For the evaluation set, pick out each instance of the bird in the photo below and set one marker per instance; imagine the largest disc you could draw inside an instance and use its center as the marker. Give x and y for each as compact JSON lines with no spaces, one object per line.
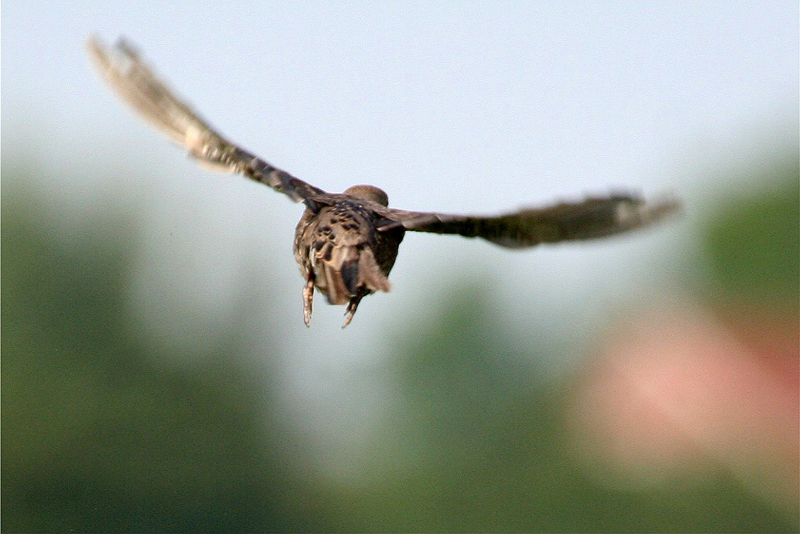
{"x":346,"y":243}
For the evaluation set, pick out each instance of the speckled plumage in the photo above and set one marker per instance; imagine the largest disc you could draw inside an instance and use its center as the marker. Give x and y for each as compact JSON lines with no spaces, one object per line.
{"x":346,"y":244}
{"x":341,"y":252}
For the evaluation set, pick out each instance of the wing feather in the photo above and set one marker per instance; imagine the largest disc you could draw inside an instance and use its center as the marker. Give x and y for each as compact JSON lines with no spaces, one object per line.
{"x":137,"y":84}
{"x":567,"y":221}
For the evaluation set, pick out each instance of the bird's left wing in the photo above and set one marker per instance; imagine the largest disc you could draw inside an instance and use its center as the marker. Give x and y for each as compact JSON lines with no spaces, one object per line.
{"x":587,"y":219}
{"x":123,"y":69}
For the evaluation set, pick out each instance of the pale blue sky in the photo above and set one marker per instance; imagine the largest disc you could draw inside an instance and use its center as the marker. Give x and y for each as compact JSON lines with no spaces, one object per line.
{"x":448,"y":106}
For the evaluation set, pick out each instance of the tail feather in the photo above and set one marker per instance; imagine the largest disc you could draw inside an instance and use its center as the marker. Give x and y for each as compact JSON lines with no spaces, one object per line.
{"x":335,"y":289}
{"x":350,"y":271}
{"x":334,"y":260}
{"x":370,"y":274}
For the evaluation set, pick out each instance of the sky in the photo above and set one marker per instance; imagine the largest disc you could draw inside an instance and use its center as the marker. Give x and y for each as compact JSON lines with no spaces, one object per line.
{"x":475,"y":107}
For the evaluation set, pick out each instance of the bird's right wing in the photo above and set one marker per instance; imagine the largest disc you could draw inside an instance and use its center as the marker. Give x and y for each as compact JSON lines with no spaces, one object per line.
{"x":136,"y":84}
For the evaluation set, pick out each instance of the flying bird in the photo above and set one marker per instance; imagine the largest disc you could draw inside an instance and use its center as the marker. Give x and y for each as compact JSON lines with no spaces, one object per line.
{"x":346,"y":243}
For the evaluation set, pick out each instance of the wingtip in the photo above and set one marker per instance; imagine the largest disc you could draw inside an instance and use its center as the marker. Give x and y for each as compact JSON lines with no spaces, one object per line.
{"x":92,"y":41}
{"x":101,"y":52}
{"x":638,"y":212}
{"x":664,"y":206}
{"x":96,"y":49}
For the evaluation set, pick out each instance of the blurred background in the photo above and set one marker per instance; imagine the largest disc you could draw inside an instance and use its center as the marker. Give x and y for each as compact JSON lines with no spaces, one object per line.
{"x":157,"y":375}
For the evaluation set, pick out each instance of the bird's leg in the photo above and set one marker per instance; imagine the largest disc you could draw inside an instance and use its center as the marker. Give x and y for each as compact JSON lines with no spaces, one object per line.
{"x":352,"y":306}
{"x":308,"y":297}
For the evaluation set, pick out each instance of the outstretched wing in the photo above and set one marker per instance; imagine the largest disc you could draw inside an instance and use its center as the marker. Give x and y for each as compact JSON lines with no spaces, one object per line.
{"x":125,"y":72}
{"x":588,"y":219}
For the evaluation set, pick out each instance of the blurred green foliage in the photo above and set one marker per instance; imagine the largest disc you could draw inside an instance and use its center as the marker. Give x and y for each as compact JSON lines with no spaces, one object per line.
{"x":754,"y":242}
{"x":98,"y":437}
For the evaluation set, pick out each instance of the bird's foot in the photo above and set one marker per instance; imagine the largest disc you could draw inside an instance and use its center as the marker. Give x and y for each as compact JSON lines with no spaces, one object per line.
{"x":352,"y":306}
{"x":308,"y":298}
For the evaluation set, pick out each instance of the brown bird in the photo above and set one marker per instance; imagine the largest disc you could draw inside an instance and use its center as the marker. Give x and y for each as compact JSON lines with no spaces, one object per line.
{"x":346,"y":244}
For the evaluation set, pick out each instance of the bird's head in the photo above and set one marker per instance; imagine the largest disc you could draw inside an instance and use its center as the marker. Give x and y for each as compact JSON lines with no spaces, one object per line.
{"x":368,"y":192}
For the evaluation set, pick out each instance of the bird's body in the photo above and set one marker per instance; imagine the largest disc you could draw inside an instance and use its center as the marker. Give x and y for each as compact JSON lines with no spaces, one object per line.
{"x":346,"y":244}
{"x":342,"y":253}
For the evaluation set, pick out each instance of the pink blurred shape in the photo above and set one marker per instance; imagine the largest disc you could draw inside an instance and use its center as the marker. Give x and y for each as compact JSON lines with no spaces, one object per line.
{"x":678,"y":392}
